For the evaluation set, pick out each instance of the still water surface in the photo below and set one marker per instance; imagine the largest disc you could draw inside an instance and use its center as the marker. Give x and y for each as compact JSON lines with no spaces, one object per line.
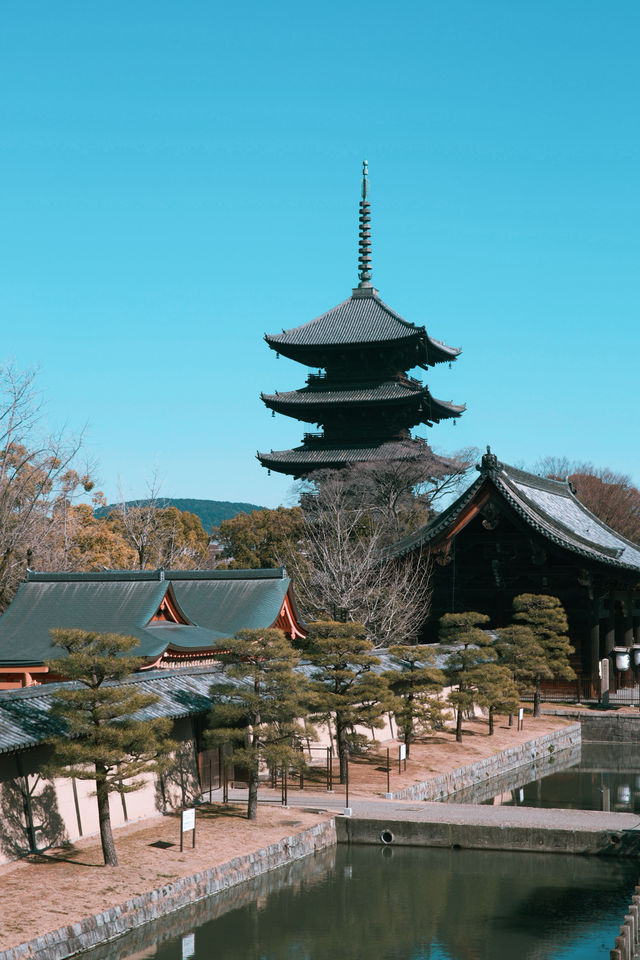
{"x":603,"y":776}
{"x":392,"y":903}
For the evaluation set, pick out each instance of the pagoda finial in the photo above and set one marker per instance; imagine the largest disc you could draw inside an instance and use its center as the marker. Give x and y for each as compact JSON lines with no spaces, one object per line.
{"x":364,"y":243}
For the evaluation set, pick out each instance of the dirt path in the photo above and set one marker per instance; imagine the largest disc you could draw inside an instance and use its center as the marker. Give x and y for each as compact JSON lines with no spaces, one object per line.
{"x":41,"y":893}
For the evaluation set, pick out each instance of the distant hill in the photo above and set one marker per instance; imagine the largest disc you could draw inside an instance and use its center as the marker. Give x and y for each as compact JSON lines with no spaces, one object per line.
{"x":211,"y":512}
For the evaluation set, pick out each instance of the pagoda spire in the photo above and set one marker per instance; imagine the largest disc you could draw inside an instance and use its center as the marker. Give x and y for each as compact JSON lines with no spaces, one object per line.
{"x":364,"y":243}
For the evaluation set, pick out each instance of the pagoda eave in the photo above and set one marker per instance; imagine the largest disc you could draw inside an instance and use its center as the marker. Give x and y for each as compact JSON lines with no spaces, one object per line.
{"x":303,"y":460}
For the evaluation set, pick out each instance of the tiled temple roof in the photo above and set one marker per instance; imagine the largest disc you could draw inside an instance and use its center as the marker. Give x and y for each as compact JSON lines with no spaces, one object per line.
{"x":322,"y":454}
{"x":359,"y":321}
{"x":26,"y":721}
{"x":547,"y":506}
{"x":215,"y":604}
{"x":388,"y":392}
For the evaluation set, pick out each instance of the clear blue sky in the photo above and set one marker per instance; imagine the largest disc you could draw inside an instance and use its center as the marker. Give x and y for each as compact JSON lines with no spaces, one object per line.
{"x":178,"y":179}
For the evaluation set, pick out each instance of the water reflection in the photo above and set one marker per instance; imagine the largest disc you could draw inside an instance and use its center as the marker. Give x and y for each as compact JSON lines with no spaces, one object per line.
{"x":606,"y":777}
{"x":407,"y":904}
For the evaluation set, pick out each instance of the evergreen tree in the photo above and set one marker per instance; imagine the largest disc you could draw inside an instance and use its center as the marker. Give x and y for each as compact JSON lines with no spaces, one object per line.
{"x":548,"y":622}
{"x":104,"y":739}
{"x":261,"y":705}
{"x":495,"y":689}
{"x":414,"y":686}
{"x":472,"y":647}
{"x":345,"y":686}
{"x":519,"y":651}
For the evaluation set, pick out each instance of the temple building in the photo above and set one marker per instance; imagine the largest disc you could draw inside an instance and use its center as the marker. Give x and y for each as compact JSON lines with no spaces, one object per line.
{"x":513,"y":532}
{"x":181,"y":618}
{"x":361,"y":396}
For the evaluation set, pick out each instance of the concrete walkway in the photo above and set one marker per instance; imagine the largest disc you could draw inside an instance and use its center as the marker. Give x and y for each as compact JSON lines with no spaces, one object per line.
{"x":492,"y":828}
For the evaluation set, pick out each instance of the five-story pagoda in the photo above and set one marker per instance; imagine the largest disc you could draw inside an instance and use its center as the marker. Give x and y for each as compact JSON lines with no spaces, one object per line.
{"x":365,"y":401}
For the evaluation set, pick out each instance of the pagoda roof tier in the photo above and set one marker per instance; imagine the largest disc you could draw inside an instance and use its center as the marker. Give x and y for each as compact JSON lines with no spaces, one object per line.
{"x":363,"y":320}
{"x":320,"y":454}
{"x":307,"y":404}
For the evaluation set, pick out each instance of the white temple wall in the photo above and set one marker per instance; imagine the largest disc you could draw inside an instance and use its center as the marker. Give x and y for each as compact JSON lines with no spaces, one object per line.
{"x":34,"y":808}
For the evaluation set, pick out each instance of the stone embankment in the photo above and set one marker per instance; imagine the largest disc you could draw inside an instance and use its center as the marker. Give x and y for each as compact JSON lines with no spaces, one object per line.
{"x":540,"y":751}
{"x":106,"y":926}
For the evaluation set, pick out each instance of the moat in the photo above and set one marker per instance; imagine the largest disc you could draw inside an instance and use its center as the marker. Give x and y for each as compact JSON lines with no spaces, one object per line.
{"x":383,"y":903}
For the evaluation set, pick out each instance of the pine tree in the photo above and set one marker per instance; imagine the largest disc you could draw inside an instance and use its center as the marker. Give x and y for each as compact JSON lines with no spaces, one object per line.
{"x":494,"y":688}
{"x":345,"y":686}
{"x":523,"y":655}
{"x":104,"y":739}
{"x":415,"y":685}
{"x":472,"y":646}
{"x":548,"y":621}
{"x":257,"y":712}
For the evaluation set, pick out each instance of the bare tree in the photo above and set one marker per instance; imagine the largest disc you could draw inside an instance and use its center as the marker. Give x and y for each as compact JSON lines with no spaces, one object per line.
{"x":611,"y":496}
{"x":37,"y":477}
{"x":340,"y":569}
{"x":161,"y":535}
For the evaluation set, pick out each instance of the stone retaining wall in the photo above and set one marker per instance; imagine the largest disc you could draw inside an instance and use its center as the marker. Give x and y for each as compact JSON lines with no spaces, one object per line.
{"x":72,"y":939}
{"x":446,"y":784}
{"x":610,"y":727}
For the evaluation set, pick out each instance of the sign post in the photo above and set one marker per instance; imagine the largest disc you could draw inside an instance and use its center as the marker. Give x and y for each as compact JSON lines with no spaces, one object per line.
{"x":402,"y":755}
{"x":187,"y":822}
{"x":521,"y":719}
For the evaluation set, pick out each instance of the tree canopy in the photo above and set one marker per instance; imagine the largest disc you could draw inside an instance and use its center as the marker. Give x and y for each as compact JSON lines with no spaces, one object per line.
{"x":105,"y":740}
{"x":258,"y":710}
{"x":262,"y":538}
{"x":346,"y":690}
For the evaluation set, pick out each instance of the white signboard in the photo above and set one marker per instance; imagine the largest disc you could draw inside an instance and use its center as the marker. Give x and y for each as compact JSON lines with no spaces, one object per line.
{"x":188,"y":944}
{"x":188,"y":819}
{"x":403,"y":751}
{"x":521,"y":714}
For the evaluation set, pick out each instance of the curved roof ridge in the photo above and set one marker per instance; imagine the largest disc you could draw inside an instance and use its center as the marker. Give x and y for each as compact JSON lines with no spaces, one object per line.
{"x":553,"y":523}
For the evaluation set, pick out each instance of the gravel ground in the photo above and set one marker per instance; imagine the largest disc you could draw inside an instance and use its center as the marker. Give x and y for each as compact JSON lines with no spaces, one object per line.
{"x":44,"y":892}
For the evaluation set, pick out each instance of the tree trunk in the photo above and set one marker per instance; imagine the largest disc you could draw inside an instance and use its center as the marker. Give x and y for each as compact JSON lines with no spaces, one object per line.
{"x":408,"y":730}
{"x":459,"y":725}
{"x":490,"y":721}
{"x":252,"y":807}
{"x":104,"y":818}
{"x":343,"y":753}
{"x":536,"y":699}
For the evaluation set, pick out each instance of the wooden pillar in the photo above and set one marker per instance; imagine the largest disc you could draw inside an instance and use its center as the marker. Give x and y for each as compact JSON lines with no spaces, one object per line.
{"x":594,"y":651}
{"x":627,"y":609}
{"x":610,"y":630}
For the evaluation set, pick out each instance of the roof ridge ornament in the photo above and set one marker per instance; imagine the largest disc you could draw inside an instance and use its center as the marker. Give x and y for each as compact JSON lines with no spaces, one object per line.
{"x":365,"y":287}
{"x":489,"y":463}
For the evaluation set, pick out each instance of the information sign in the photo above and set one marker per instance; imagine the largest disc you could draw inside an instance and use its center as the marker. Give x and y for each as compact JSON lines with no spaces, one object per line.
{"x":188,"y":819}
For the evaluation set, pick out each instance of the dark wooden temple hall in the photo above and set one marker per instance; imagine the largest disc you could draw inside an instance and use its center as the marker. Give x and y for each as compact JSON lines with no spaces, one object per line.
{"x":361,"y":395}
{"x":513,"y":532}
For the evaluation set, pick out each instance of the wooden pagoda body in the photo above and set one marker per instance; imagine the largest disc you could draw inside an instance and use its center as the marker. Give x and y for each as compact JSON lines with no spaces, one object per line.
{"x":361,"y":396}
{"x":512,"y":532}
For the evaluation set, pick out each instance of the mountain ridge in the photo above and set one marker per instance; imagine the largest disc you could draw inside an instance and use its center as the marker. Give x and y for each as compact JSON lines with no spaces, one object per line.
{"x":211,"y":512}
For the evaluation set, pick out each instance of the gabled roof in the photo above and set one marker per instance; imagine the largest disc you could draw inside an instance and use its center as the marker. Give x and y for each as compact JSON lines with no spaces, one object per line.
{"x":213,"y":605}
{"x":230,"y":600}
{"x":547,"y":506}
{"x":361,"y":320}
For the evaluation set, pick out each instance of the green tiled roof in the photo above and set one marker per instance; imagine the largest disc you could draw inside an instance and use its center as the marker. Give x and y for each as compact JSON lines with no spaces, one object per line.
{"x":231,"y":604}
{"x":216,"y":603}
